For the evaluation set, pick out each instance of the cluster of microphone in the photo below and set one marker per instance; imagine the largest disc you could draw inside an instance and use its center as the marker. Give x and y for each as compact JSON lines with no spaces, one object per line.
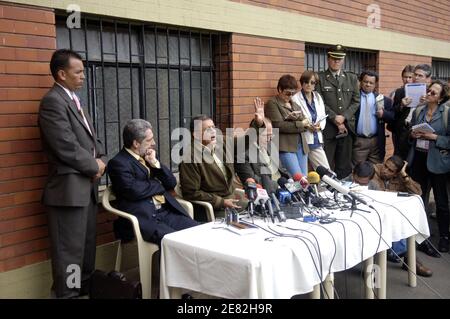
{"x":268,"y":201}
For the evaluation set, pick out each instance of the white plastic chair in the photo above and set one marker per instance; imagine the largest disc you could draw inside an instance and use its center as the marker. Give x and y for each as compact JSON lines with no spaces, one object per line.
{"x":145,"y":249}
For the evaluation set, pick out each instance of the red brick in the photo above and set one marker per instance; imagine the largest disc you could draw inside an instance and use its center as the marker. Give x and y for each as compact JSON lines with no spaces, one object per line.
{"x":25,"y":54}
{"x":22,"y":94}
{"x":20,"y":133}
{"x":14,"y":107}
{"x":20,"y":147}
{"x":25,"y":27}
{"x":24,"y":13}
{"x":24,"y":67}
{"x":18,"y":185}
{"x":396,"y":16}
{"x":10,"y":200}
{"x":19,"y":211}
{"x":23,"y":235}
{"x":27,"y":41}
{"x":25,"y":81}
{"x":24,"y":248}
{"x":17,"y":159}
{"x":17,"y":120}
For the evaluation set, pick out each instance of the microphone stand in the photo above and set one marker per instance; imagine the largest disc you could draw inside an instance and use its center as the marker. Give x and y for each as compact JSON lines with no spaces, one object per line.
{"x":355,"y":207}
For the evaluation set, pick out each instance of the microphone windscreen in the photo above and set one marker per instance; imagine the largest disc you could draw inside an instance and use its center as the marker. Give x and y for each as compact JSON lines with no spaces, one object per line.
{"x":313,"y":178}
{"x":282,"y":181}
{"x":297,"y":177}
{"x":321,"y":171}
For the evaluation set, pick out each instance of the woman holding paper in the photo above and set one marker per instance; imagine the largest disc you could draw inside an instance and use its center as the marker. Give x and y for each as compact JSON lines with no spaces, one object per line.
{"x":311,"y":104}
{"x":430,"y":153}
{"x":288,"y":118}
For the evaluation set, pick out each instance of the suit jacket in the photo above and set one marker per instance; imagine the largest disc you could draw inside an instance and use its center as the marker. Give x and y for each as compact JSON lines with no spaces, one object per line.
{"x":201,"y":178}
{"x":245,"y":169}
{"x":289,"y":130}
{"x":340,"y":98}
{"x":438,"y":159}
{"x":135,"y":187}
{"x":70,"y":151}
{"x":388,"y":117}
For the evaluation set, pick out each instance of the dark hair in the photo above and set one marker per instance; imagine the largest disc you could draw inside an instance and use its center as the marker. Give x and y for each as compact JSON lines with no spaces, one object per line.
{"x":60,"y":60}
{"x":135,"y":130}
{"x":287,"y":81}
{"x":409,"y":68}
{"x":368,"y":73}
{"x":364,"y":169}
{"x":425,"y":68}
{"x":200,"y":117}
{"x":444,"y":96}
{"x":397,"y":161}
{"x":307,"y":75}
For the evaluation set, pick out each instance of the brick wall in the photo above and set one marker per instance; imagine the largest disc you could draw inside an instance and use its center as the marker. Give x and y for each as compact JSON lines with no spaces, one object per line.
{"x":27,"y":40}
{"x":257,"y":64}
{"x":405,"y":16}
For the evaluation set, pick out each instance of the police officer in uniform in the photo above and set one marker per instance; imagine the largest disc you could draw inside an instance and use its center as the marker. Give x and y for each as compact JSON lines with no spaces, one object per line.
{"x":340,"y":92}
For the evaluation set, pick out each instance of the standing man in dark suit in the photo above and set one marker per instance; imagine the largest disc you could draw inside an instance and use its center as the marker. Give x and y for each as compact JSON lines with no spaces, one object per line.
{"x":143,"y":185}
{"x":340,"y":92}
{"x":403,"y":114}
{"x":375,"y":110}
{"x":76,"y":163}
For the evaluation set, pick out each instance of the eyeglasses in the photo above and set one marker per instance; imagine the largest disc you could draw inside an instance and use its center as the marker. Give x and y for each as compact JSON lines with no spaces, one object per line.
{"x":288,"y":93}
{"x":431,"y":92}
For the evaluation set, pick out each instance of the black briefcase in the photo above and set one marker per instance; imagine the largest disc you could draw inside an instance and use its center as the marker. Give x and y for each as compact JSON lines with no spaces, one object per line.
{"x":113,"y":285}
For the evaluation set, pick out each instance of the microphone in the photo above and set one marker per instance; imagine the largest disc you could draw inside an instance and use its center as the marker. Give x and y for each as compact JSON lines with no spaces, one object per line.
{"x":336,"y":185}
{"x":322,"y":170}
{"x":250,"y":191}
{"x":266,"y":181}
{"x":283,"y":194}
{"x":304,"y":183}
{"x":314,"y":179}
{"x":278,"y":212}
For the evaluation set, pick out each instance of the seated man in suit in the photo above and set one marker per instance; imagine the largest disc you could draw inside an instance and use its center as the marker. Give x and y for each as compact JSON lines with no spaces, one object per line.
{"x":257,"y":161}
{"x":143,"y":185}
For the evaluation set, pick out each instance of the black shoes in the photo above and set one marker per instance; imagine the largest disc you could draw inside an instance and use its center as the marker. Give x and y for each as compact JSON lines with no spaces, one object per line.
{"x":443,"y":244}
{"x":429,"y":250}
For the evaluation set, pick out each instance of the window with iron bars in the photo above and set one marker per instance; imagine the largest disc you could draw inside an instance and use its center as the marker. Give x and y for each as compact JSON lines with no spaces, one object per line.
{"x":139,"y":70}
{"x":440,"y":70}
{"x":356,"y":60}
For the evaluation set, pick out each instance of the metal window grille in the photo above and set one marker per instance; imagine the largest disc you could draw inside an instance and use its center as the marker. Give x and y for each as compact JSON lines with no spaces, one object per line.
{"x":440,"y":70}
{"x":356,"y":60}
{"x":140,"y":70}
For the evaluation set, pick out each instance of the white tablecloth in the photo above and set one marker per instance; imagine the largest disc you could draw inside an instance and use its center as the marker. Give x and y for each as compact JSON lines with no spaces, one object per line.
{"x":215,"y":261}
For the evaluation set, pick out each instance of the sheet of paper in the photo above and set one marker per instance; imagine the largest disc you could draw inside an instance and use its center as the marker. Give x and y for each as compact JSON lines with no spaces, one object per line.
{"x":321,"y":119}
{"x":423,"y":127}
{"x":415,"y":91}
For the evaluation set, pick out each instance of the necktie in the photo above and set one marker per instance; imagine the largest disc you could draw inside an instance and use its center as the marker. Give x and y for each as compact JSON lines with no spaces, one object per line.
{"x":337,"y":77}
{"x":367,"y":118}
{"x":158,"y":200}
{"x":80,"y":110}
{"x":142,"y":161}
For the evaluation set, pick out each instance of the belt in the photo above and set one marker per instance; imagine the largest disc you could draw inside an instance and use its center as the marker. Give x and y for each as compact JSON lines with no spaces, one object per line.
{"x":363,"y":136}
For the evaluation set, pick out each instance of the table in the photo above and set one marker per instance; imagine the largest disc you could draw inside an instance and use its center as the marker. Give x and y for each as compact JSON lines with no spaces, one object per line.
{"x":213,"y":260}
